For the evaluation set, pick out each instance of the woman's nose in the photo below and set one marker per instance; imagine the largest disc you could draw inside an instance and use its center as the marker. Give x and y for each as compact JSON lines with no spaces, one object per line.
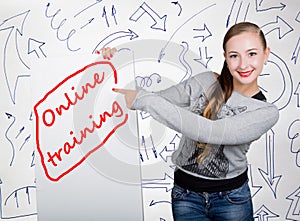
{"x":243,"y":63}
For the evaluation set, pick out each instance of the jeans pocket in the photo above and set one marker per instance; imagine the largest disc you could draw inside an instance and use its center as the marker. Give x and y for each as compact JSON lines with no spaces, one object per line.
{"x":178,"y":193}
{"x":240,"y":195}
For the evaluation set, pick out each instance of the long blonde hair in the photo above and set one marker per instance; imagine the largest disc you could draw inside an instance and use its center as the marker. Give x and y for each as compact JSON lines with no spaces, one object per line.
{"x":223,"y":87}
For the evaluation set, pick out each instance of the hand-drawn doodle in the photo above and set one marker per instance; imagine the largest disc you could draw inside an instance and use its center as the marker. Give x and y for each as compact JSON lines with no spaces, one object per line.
{"x":282,"y":96}
{"x":159,"y":21}
{"x":163,"y":50}
{"x":203,"y":57}
{"x":180,"y":8}
{"x":36,"y":47}
{"x":238,"y":12}
{"x":264,"y":214}
{"x":254,"y":188}
{"x":297,"y":93}
{"x":15,"y":28}
{"x":17,"y":199}
{"x":269,"y":175}
{"x":185,"y":64}
{"x":296,"y":52}
{"x":282,"y":26}
{"x":165,"y":183}
{"x":204,"y":33}
{"x":293,"y":135}
{"x":263,"y":5}
{"x":293,"y":212}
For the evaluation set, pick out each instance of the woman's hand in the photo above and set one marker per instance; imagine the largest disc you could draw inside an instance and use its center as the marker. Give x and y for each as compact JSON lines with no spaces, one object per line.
{"x":108,"y":52}
{"x":129,"y":96}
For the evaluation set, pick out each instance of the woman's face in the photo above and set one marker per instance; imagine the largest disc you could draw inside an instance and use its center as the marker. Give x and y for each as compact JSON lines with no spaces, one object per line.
{"x":245,"y":57}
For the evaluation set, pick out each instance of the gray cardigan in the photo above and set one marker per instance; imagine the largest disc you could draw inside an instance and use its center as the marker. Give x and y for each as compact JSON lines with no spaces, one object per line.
{"x":241,"y":120}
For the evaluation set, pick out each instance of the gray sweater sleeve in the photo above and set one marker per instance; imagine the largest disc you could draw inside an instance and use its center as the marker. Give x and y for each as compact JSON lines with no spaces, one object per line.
{"x":239,"y":129}
{"x":182,"y":93}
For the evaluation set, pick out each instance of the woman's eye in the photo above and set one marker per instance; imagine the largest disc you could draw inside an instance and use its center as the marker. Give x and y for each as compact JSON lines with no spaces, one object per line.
{"x":252,"y":54}
{"x":233,"y":56}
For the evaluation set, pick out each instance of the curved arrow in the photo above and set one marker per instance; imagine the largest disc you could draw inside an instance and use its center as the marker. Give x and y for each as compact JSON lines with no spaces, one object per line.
{"x":286,"y":94}
{"x":114,"y":36}
{"x":12,"y":78}
{"x":283,"y":27}
{"x":262,"y":6}
{"x":163,"y":50}
{"x":180,"y":8}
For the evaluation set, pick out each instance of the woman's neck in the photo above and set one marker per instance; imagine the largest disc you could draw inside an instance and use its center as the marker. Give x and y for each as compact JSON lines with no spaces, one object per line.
{"x":247,"y":90}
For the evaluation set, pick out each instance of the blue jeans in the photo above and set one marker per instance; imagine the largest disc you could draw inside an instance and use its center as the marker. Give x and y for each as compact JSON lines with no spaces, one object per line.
{"x":233,"y":205}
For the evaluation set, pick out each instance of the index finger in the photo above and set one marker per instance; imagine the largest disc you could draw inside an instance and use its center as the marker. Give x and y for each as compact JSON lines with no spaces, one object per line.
{"x":118,"y":90}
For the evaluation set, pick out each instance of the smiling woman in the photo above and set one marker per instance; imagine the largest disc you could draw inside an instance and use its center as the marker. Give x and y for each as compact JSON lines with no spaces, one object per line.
{"x":219,"y":117}
{"x":245,"y":55}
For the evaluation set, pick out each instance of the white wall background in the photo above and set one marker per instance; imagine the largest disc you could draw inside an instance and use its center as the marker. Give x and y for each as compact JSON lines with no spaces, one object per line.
{"x":186,"y":38}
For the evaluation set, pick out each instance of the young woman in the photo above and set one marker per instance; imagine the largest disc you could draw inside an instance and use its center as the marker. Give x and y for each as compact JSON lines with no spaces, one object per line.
{"x":218,"y":116}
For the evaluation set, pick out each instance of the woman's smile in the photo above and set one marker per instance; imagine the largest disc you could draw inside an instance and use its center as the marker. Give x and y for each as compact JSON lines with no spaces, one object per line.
{"x":245,"y":74}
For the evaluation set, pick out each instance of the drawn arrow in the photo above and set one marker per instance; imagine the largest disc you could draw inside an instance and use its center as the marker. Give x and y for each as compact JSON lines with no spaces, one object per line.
{"x":105,"y":16}
{"x":297,"y":92}
{"x":283,"y":27}
{"x":88,"y":7}
{"x":238,"y":9}
{"x":20,"y":131}
{"x":296,"y":52}
{"x":254,"y":189}
{"x":166,"y":152}
{"x":203,"y":59}
{"x":163,"y":50}
{"x":12,"y":77}
{"x":264,"y":214}
{"x":261,"y":5}
{"x":36,"y":47}
{"x":204,"y":33}
{"x":165,"y":183}
{"x":114,"y":36}
{"x":269,"y":176}
{"x":294,"y":209}
{"x":25,"y":141}
{"x":89,"y":22}
{"x":113,"y":13}
{"x":153,"y":149}
{"x":33,"y":159}
{"x":155,"y":202}
{"x":180,"y":8}
{"x":159,"y":22}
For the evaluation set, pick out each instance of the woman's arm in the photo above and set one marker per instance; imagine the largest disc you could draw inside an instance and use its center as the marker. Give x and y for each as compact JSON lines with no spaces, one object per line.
{"x":182,"y":93}
{"x":241,"y":128}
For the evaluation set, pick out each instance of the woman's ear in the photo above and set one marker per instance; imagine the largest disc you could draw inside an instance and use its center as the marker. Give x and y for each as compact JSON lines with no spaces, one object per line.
{"x":267,"y":52}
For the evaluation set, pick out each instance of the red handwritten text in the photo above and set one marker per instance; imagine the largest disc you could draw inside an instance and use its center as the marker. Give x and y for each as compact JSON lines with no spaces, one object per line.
{"x":56,"y":161}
